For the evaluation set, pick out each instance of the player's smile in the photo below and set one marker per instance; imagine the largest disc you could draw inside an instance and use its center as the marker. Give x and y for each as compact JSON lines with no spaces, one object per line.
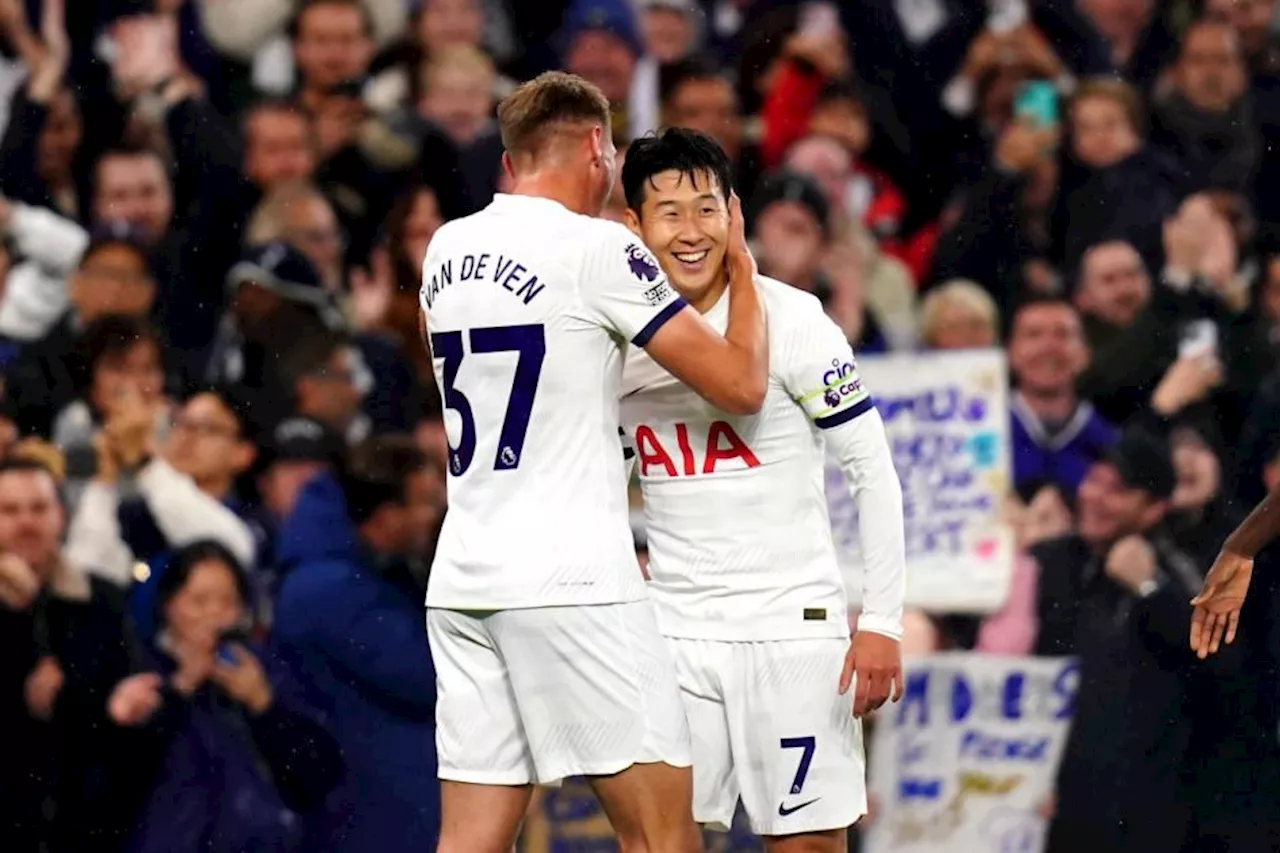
{"x":691,"y":263}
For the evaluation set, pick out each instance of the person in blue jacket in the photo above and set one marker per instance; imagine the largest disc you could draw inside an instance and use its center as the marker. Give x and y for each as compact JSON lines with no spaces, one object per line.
{"x":216,"y":756}
{"x":350,"y":627}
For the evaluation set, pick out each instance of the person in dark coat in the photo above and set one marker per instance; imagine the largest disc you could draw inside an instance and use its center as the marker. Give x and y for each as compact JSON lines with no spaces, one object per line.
{"x":66,"y":643}
{"x":1117,"y":595}
{"x":349,"y":628}
{"x":1132,"y":337}
{"x":1206,"y":123}
{"x":114,"y":277}
{"x":1113,"y":184}
{"x":224,"y":763}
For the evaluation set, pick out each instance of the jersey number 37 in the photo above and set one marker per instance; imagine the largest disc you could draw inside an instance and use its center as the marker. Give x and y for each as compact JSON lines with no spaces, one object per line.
{"x":529,"y":342}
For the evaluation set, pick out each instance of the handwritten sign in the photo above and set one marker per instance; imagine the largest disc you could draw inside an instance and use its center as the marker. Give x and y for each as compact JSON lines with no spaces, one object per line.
{"x":569,"y":819}
{"x":947,"y":419}
{"x":965,"y":761}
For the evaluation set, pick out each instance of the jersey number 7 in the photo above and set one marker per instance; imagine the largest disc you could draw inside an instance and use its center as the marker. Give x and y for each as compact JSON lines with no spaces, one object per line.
{"x":530,"y":343}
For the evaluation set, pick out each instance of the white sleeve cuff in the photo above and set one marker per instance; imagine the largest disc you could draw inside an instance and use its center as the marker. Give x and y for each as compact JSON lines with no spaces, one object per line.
{"x":887,"y":626}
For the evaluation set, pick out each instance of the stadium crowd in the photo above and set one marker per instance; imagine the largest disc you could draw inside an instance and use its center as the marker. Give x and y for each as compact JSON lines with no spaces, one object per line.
{"x":222,"y":453}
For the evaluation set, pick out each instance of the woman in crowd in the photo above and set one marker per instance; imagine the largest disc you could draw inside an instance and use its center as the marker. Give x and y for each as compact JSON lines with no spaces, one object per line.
{"x":222,"y":763}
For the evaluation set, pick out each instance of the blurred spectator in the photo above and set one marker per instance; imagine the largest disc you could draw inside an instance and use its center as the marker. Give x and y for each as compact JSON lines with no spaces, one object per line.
{"x":298,"y":450}
{"x":1130,"y":38}
{"x":862,"y":209}
{"x":320,"y":373}
{"x":668,"y":33}
{"x":437,"y":27}
{"x":255,"y":39}
{"x":1114,"y":186}
{"x":698,"y":95}
{"x":301,"y":216}
{"x":1199,"y":516}
{"x":190,"y":217}
{"x":149,"y":497}
{"x":272,"y":288}
{"x":45,"y":127}
{"x":113,"y":278}
{"x":222,"y":762}
{"x":66,"y":645}
{"x":363,"y":160}
{"x":959,"y":315}
{"x":1206,"y":123}
{"x":332,"y":44}
{"x":1131,"y":343}
{"x":412,"y":222}
{"x":278,"y":146}
{"x":997,"y":230}
{"x":349,"y":628}
{"x":599,"y":40}
{"x":670,"y":29}
{"x":791,"y":234}
{"x":458,"y":96}
{"x":1056,"y":435}
{"x":1116,"y":593}
{"x":122,"y":371}
{"x":42,"y":250}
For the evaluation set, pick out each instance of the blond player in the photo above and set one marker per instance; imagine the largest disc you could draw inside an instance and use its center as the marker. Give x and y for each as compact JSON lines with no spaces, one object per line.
{"x":548,"y":658}
{"x":742,"y":563}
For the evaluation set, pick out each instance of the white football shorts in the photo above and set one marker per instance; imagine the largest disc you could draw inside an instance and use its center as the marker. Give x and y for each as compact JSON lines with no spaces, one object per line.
{"x":769,"y":726}
{"x":536,"y":695}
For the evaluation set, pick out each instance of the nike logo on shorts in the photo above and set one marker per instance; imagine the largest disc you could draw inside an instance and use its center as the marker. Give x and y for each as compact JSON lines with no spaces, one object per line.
{"x":783,"y":811}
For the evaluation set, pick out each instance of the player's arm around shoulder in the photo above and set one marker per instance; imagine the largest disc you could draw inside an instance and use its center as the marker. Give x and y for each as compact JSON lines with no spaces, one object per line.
{"x":731,"y":371}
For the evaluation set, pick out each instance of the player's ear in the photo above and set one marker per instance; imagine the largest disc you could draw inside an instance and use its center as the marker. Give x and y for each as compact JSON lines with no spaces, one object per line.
{"x":597,"y":144}
{"x":507,"y":165}
{"x":632,"y":221}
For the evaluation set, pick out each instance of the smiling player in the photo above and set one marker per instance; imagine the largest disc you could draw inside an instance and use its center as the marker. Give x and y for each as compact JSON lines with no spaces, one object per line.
{"x":743,"y":566}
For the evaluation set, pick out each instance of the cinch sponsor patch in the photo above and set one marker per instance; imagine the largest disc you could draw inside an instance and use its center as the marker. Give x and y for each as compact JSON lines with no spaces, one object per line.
{"x":658,"y":294}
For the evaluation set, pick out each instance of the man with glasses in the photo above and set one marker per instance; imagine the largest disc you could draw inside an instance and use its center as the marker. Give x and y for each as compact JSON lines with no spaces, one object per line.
{"x":152,"y":495}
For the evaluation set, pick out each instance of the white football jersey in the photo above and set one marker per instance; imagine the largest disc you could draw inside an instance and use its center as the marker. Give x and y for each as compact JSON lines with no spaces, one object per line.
{"x":740,"y":543}
{"x":530,"y":309}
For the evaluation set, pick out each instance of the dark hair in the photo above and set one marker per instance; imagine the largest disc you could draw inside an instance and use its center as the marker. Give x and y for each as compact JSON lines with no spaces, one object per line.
{"x":376,"y":472}
{"x":184,"y":561}
{"x":305,"y":6}
{"x":272,"y":105}
{"x":408,"y":276}
{"x":118,"y":241}
{"x":839,"y":90}
{"x":694,"y":68}
{"x":1040,"y":300}
{"x":689,"y":152}
{"x":130,"y":151}
{"x":533,"y":112}
{"x":233,"y":400}
{"x":307,"y":355}
{"x":111,"y":337}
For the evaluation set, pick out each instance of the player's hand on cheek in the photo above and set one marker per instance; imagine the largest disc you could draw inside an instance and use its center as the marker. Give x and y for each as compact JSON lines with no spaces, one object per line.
{"x":873,"y":666}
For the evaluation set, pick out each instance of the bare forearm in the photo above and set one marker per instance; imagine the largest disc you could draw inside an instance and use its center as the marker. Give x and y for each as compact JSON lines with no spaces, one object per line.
{"x":746,"y":331}
{"x":1257,"y":531}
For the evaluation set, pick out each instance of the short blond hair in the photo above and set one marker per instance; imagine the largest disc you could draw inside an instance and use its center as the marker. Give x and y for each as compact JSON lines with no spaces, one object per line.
{"x":458,"y":58}
{"x":1116,"y":91}
{"x":962,"y":293}
{"x":546,"y":105}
